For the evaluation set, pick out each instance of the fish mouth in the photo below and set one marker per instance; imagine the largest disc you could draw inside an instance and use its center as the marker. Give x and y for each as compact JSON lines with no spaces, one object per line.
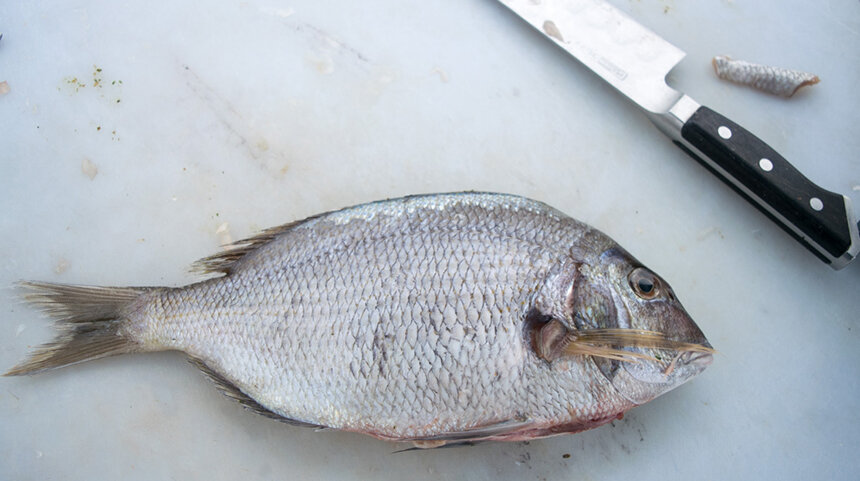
{"x":669,"y":371}
{"x":700,"y":359}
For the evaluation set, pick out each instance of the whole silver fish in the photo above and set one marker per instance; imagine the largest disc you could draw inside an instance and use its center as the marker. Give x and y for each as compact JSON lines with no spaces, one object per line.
{"x":431,"y":319}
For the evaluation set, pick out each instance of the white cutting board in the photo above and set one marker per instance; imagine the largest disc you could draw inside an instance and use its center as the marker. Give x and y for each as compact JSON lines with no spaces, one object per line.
{"x":241,"y":115}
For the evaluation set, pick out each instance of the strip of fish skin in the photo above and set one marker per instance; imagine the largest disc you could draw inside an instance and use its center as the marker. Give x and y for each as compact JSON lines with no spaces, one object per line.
{"x":773,"y":80}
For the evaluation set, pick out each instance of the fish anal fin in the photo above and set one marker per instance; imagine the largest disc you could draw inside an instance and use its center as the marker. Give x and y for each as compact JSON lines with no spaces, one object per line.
{"x":233,"y":392}
{"x":431,"y":444}
{"x":471,"y":435}
{"x":425,"y":445}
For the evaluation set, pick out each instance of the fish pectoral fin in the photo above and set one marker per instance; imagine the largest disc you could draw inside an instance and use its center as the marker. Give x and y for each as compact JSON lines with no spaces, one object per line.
{"x":233,"y":392}
{"x":470,"y":435}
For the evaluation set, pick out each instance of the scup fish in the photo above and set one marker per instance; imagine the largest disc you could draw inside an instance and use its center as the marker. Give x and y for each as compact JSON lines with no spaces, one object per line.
{"x":435,"y":319}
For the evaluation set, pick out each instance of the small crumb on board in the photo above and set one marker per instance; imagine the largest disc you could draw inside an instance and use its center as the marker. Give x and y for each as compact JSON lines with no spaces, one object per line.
{"x":89,"y":168}
{"x":224,"y":236}
{"x":62,"y":266}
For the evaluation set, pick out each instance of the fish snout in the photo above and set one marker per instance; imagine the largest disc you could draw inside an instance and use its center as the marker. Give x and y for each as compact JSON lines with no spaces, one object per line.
{"x":697,"y":358}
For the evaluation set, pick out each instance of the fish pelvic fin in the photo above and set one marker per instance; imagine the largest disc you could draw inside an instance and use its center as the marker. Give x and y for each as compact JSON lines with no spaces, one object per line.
{"x":92,"y":323}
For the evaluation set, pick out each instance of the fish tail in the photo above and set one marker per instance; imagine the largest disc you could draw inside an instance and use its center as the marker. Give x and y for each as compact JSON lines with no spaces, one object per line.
{"x":92,"y":322}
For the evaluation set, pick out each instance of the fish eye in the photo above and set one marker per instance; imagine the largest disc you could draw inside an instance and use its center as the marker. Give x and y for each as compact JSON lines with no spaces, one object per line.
{"x":644,"y":283}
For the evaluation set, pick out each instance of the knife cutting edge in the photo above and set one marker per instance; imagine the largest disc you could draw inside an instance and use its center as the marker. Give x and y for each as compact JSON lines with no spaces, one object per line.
{"x":636,"y":61}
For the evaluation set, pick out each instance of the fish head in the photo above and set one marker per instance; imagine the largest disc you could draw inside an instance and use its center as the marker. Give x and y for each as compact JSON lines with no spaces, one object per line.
{"x":627,"y":320}
{"x":633,"y":297}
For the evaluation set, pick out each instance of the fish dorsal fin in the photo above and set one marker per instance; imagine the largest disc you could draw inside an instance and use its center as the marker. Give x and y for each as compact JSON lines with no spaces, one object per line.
{"x":230,"y":390}
{"x":232,"y":259}
{"x":225,"y":262}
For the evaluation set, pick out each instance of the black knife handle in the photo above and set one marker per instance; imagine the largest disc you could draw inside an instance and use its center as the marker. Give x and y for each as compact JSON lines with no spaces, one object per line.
{"x":786,"y":196}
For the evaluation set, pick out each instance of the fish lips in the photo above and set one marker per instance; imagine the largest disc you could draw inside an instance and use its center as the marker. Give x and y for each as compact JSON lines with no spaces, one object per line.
{"x":640,"y":382}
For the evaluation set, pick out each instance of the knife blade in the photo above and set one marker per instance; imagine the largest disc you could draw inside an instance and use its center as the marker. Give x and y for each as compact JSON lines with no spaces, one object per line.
{"x":635,"y":61}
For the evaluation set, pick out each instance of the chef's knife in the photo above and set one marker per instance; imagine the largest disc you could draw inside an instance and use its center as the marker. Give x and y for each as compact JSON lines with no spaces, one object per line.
{"x":636,"y":61}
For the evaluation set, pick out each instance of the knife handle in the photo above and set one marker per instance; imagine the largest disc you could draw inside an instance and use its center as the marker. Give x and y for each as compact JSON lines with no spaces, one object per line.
{"x":819,"y":219}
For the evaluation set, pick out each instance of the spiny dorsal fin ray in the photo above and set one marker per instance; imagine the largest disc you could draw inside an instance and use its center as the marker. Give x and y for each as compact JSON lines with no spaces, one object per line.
{"x":225,"y":262}
{"x":228,"y":261}
{"x":230,"y":390}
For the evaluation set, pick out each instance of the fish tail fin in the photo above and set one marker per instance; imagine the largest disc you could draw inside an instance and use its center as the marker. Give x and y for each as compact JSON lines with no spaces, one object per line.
{"x":92,"y":323}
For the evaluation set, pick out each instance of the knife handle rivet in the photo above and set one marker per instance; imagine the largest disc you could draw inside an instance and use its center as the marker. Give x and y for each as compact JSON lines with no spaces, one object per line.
{"x":816,"y":204}
{"x":725,"y":132}
{"x":765,"y":164}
